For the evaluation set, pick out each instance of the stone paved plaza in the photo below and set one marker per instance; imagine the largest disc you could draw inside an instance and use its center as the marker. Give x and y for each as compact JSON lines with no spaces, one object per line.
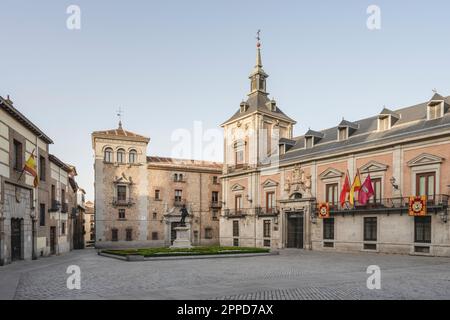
{"x":294,"y":274}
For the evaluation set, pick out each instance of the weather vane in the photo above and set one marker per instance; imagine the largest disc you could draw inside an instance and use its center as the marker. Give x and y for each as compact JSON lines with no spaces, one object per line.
{"x":434,"y":90}
{"x":120,"y":114}
{"x":258,"y":44}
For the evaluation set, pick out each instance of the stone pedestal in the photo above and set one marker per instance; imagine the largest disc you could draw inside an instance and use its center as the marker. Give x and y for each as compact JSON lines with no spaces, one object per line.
{"x":183,"y":239}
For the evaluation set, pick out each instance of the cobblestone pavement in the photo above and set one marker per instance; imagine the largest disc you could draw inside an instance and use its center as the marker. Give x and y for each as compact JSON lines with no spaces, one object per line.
{"x":294,"y":274}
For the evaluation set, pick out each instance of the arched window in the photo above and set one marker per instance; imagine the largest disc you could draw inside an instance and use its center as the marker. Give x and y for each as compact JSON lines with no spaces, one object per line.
{"x":108,"y":155}
{"x":121,"y":156}
{"x":132,"y":156}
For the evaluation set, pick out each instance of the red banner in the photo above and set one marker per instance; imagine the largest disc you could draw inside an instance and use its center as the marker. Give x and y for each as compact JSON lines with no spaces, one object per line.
{"x":418,"y":206}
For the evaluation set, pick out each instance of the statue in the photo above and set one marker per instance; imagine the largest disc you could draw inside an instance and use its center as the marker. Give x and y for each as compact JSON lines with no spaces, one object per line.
{"x":184,"y":214}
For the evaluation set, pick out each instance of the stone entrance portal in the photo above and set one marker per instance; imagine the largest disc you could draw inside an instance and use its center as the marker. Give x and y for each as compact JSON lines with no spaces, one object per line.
{"x":295,"y":230}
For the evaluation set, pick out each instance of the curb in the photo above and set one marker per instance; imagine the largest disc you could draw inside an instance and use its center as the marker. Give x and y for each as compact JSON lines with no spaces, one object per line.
{"x":215,"y":256}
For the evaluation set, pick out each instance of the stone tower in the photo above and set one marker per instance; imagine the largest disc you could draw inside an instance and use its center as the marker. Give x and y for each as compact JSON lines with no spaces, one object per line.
{"x":121,"y":185}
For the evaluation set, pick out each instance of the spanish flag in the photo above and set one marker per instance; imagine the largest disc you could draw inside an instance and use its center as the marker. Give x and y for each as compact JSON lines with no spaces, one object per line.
{"x":30,"y":167}
{"x":356,"y":186}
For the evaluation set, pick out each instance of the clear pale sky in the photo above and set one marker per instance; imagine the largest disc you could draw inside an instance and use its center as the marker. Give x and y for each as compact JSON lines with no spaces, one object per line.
{"x":170,"y":63}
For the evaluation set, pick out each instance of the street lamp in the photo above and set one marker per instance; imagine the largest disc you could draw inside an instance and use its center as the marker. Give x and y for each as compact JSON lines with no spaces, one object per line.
{"x":393,"y":183}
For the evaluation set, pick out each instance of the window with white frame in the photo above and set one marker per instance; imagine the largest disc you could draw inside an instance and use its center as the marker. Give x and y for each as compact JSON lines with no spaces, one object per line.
{"x":132,"y":156}
{"x":383,"y":123}
{"x":108,"y":155}
{"x":121,"y":156}
{"x":435,"y":110}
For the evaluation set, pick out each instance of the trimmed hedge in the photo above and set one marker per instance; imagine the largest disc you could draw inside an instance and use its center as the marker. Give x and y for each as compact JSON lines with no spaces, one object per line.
{"x":195,"y":251}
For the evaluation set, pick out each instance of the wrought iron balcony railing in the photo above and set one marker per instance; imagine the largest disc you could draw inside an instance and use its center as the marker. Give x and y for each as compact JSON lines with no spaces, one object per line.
{"x":122,"y":202}
{"x":267,"y":211}
{"x":64,"y":208}
{"x":55,"y":206}
{"x":396,"y":204}
{"x":216,"y":204}
{"x":230,"y":213}
{"x":237,"y":167}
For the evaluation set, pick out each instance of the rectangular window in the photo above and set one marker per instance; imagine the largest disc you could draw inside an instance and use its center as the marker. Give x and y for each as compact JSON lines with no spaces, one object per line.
{"x":178,"y":195}
{"x":422,"y":229}
{"x":270,"y":201}
{"x":238,"y":203}
{"x":121,"y":213}
{"x":236,"y":242}
{"x":63,"y":228}
{"x":328,"y":229}
{"x":267,"y":228}
{"x":129,"y":234}
{"x":208,"y":233}
{"x":42,"y":168}
{"x":342,"y":134}
{"x":18,"y":155}
{"x":383,"y":123}
{"x":114,"y":235}
{"x":53,"y":195}
{"x":435,"y":111}
{"x":332,"y":193}
{"x":215,"y":196}
{"x":42,"y":214}
{"x":157,"y":194}
{"x":214,"y":214}
{"x":309,"y":142}
{"x":239,"y":157}
{"x":121,"y":193}
{"x":235,"y":228}
{"x":426,"y":184}
{"x":266,"y":243}
{"x":63,"y":196}
{"x":154,"y":235}
{"x":215,"y":180}
{"x":376,"y":183}
{"x":370,"y":229}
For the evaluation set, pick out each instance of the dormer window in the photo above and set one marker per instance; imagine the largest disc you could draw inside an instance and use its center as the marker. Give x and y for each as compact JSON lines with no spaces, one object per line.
{"x":342,"y":133}
{"x":244,"y":107}
{"x":435,"y":110}
{"x":312,"y":138}
{"x":346,"y":129}
{"x":386,"y":119}
{"x":309,"y":143}
{"x":383,"y":123}
{"x":272,"y":105}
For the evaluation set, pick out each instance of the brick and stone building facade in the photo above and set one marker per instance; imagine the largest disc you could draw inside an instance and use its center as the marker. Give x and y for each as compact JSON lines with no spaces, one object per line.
{"x":273,"y":182}
{"x":33,"y":222}
{"x":138,"y":198}
{"x":89,"y":225}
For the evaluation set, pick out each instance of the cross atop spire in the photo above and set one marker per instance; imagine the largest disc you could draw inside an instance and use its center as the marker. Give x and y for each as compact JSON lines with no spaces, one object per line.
{"x":258,"y":49}
{"x":119,"y":115}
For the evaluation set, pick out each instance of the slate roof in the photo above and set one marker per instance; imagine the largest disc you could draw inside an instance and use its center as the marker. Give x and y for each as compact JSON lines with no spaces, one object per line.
{"x":345,"y":123}
{"x":412,"y":123}
{"x":187,"y":163}
{"x":120,"y":133}
{"x":386,"y":111}
{"x":258,"y":102}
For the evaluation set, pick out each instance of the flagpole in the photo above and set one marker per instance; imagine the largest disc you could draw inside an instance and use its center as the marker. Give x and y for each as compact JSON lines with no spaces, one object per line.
{"x":23,"y":167}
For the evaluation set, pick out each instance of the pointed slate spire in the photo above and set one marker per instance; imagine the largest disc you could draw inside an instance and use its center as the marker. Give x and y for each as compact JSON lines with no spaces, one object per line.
{"x":258,"y":76}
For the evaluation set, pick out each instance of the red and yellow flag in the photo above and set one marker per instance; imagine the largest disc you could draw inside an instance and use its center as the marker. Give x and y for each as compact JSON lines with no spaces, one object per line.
{"x":31,"y":168}
{"x":356,"y":186}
